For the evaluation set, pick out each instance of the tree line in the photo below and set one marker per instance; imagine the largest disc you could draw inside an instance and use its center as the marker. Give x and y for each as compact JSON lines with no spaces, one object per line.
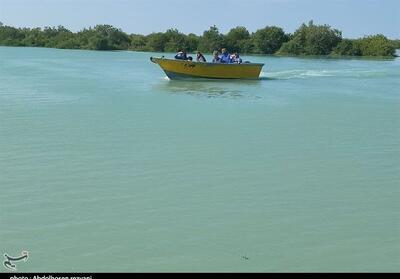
{"x":308,"y":39}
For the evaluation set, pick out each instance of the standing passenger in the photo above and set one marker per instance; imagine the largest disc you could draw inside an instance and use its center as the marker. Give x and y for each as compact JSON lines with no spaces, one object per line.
{"x":225,"y":57}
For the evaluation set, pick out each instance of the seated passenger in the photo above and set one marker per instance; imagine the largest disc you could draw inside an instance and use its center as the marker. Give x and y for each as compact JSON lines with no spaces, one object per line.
{"x":181,"y":55}
{"x":225,"y":57}
{"x":200,"y":57}
{"x":216,"y":58}
{"x":236,"y":58}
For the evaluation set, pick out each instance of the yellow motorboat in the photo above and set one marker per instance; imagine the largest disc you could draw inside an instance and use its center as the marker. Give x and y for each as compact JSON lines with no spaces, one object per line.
{"x":182,"y":69}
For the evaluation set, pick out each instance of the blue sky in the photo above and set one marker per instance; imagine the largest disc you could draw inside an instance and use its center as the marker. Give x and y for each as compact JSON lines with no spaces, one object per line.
{"x":355,"y":18}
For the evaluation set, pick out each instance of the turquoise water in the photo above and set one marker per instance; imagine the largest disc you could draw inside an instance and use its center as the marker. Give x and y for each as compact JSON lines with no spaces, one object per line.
{"x":106,"y":165}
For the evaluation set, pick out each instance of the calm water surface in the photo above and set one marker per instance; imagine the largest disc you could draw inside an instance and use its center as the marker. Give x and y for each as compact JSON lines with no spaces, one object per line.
{"x":106,"y":165}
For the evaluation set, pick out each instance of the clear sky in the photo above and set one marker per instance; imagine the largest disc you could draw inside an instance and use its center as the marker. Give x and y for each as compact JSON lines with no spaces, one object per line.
{"x":355,"y":18}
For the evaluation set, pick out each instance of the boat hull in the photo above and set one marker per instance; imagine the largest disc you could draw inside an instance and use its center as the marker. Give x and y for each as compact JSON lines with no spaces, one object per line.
{"x":181,"y":69}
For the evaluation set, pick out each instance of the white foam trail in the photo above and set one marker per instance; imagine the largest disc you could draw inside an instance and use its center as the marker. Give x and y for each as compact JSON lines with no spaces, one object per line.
{"x":303,"y":74}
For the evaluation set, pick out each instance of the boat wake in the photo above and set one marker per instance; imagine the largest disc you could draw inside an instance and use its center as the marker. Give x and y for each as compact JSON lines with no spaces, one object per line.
{"x":307,"y":74}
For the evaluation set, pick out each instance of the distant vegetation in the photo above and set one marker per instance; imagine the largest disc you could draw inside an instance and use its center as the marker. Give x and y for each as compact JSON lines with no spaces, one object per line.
{"x":396,"y":44}
{"x":308,"y":39}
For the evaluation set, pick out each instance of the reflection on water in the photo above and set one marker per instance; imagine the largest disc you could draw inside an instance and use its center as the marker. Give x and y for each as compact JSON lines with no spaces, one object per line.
{"x":210,"y":88}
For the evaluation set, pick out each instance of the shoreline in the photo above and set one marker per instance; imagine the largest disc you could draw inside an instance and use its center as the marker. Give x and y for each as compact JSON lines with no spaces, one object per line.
{"x":345,"y":57}
{"x":309,"y":40}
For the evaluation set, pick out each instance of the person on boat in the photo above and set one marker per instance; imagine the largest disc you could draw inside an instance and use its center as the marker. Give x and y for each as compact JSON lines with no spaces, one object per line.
{"x":200,"y":57}
{"x":235,"y":58}
{"x":181,"y":55}
{"x":225,"y":57}
{"x":216,"y":58}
